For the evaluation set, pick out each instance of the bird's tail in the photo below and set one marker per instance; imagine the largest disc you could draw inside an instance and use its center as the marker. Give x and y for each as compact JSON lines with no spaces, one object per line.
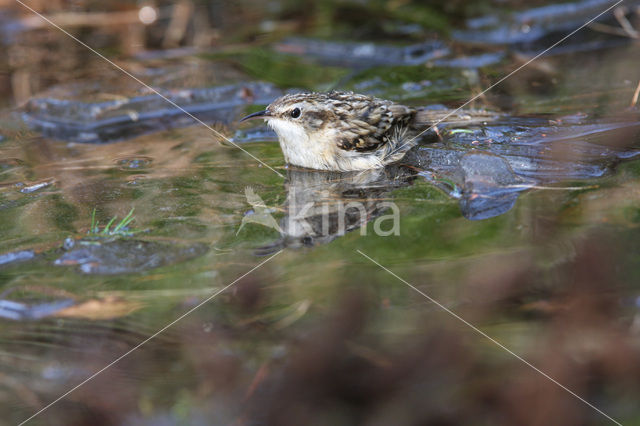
{"x":426,"y":117}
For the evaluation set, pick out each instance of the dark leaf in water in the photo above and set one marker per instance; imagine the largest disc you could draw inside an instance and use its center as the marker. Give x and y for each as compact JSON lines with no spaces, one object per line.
{"x":122,"y":256}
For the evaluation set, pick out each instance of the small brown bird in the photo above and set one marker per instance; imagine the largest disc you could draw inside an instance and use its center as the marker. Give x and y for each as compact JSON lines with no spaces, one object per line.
{"x":341,"y":131}
{"x":345,"y":131}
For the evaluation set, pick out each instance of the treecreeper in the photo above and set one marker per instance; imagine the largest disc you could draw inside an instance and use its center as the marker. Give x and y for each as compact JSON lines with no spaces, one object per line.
{"x":346,"y":131}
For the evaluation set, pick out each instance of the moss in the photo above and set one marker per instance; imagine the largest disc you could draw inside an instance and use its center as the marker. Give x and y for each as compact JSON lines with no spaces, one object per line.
{"x":422,"y":15}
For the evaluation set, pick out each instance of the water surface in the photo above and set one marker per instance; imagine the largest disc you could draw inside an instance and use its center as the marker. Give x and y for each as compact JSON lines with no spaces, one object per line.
{"x":546,"y":263}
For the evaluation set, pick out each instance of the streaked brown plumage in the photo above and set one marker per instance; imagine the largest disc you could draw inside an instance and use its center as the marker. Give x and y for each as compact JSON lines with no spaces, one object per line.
{"x":343,"y":131}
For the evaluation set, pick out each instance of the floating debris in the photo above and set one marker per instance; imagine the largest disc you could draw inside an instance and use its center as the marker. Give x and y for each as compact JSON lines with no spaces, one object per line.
{"x":487,"y":166}
{"x":36,"y":186}
{"x":16,"y":256}
{"x":490,"y":186}
{"x":10,"y":309}
{"x":261,"y":133}
{"x":103,"y":308}
{"x":361,"y":55}
{"x":120,"y":256}
{"x":473,"y":61}
{"x":106,"y":308}
{"x":134,"y":162}
{"x":121,"y":119}
{"x":534,"y":24}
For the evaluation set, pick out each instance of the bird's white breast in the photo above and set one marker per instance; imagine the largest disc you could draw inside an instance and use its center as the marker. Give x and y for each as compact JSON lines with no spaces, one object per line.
{"x":318,"y":150}
{"x":298,"y":148}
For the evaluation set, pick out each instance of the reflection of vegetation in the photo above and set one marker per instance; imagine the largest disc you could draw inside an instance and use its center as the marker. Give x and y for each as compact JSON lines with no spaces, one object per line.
{"x":431,"y":84}
{"x":283,"y":70}
{"x":121,"y":228}
{"x":381,"y":18}
{"x":422,"y":15}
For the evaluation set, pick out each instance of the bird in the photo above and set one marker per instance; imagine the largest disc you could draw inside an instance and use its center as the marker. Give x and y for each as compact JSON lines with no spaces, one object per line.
{"x":344,"y":131}
{"x":341,"y":131}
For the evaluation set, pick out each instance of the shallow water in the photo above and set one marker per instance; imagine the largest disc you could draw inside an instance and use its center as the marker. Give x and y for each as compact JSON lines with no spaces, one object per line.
{"x":527,"y":227}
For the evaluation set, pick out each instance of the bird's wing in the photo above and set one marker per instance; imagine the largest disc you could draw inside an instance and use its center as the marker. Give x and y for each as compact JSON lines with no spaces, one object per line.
{"x":370,"y":125}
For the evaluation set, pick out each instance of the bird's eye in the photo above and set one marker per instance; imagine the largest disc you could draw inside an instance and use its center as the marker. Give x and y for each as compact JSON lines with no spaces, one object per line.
{"x":295,"y":113}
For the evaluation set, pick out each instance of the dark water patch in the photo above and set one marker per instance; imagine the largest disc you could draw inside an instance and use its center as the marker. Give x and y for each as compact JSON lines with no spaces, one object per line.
{"x":120,"y":256}
{"x":363,"y":55}
{"x":110,"y":121}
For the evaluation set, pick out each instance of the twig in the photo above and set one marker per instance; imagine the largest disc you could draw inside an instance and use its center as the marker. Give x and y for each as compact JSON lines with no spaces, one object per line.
{"x":608,"y":29}
{"x":636,"y":94}
{"x":84,"y":19}
{"x":625,"y":30}
{"x":179,"y":23}
{"x":620,"y":14}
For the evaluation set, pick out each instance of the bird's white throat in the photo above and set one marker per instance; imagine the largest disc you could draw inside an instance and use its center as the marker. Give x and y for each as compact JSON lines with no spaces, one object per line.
{"x":297,"y":146}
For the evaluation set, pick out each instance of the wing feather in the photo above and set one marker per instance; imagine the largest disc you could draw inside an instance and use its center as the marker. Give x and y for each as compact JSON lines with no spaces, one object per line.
{"x":371,"y":123}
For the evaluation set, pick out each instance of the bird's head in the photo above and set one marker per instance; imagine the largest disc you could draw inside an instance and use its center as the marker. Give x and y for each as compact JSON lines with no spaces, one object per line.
{"x":296,"y":116}
{"x":306,"y":125}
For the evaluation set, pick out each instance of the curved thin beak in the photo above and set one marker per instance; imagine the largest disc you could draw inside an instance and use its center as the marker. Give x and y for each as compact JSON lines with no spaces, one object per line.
{"x":255,"y":115}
